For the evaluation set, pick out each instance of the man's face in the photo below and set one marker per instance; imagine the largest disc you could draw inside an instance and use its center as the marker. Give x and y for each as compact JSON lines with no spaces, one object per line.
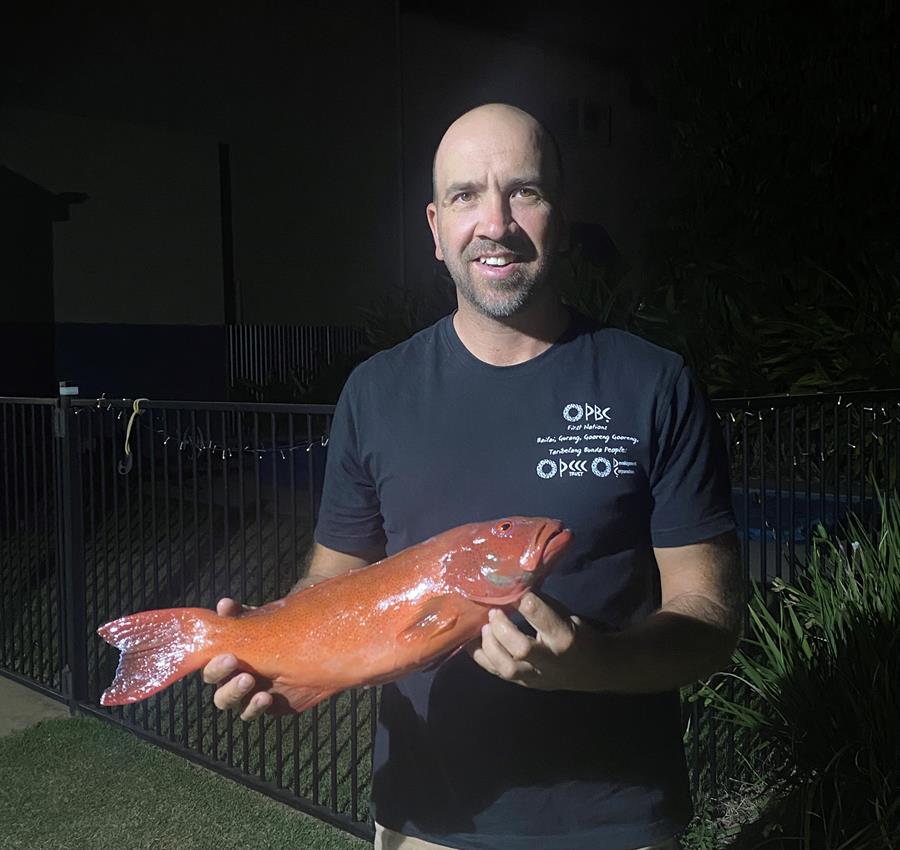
{"x":495,"y":217}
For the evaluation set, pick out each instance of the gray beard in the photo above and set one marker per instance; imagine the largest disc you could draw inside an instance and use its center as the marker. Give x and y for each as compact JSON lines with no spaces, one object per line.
{"x":504,"y":298}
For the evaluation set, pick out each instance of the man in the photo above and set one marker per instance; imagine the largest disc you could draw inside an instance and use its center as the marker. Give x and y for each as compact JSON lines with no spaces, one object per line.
{"x":561,"y":729}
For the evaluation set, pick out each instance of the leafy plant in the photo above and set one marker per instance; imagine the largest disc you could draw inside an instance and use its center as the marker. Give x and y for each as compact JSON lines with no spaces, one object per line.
{"x":746,"y":332}
{"x":819,"y":686}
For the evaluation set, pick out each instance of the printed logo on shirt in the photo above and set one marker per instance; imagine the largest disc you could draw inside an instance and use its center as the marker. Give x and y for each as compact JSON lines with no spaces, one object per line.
{"x":574,"y":412}
{"x":599,"y":466}
{"x":585,"y":448}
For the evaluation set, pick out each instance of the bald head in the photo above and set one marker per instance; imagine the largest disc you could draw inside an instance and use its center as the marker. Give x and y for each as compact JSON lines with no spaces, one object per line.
{"x":493,"y":125}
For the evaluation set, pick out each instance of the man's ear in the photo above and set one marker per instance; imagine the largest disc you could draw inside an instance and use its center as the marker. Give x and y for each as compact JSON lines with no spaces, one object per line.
{"x":431,"y":215}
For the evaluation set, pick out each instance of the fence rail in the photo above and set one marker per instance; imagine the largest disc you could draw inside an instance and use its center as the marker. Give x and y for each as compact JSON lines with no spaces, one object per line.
{"x":221,"y":500}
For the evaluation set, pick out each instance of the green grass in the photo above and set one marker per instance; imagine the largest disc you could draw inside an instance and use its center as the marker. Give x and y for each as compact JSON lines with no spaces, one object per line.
{"x":83,"y":783}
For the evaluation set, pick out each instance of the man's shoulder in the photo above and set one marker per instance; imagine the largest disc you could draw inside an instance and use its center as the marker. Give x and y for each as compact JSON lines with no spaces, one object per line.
{"x":632,"y":352}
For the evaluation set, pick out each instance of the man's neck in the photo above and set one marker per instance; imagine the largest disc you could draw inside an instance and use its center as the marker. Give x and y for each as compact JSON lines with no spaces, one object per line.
{"x":507,"y":342}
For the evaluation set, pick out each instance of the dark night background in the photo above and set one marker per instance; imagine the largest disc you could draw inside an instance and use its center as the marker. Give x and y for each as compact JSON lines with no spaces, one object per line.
{"x":684,"y":129}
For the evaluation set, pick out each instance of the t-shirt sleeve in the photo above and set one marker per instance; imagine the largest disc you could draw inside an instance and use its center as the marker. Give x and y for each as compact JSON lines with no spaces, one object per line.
{"x":689,"y":480}
{"x":349,"y":513}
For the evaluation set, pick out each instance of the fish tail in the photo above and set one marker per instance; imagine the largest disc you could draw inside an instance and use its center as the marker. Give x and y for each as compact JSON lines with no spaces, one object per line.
{"x":158,"y":648}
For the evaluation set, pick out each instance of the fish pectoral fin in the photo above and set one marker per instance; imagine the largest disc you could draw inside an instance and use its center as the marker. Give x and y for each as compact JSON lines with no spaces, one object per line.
{"x":440,"y":662}
{"x":431,"y":619}
{"x":496,"y":601}
{"x":297,"y":697}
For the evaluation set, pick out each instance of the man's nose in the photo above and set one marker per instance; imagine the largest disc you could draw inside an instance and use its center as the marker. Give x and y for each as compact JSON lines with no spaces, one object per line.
{"x":496,"y":216}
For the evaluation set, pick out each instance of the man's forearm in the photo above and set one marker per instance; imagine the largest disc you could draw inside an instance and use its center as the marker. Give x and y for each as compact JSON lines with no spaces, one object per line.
{"x":322,"y":563}
{"x":685,"y":642}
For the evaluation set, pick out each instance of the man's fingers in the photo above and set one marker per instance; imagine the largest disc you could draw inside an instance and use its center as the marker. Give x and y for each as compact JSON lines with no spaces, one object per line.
{"x":234,"y":693}
{"x":218,"y":669}
{"x":481,"y":659}
{"x":227,"y":607}
{"x":554,"y":630}
{"x":498,"y":657}
{"x":257,"y":706}
{"x":514,"y":643}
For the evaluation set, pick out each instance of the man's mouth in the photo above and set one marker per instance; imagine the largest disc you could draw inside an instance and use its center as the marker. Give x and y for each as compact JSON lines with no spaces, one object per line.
{"x":496,"y":260}
{"x":498,"y":267}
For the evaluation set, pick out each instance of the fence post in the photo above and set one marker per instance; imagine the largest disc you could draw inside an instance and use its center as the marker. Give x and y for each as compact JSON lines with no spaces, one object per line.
{"x":73,"y":601}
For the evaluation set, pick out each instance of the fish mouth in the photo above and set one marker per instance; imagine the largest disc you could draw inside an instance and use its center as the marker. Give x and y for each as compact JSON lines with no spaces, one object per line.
{"x":550,"y":542}
{"x":556,"y":543}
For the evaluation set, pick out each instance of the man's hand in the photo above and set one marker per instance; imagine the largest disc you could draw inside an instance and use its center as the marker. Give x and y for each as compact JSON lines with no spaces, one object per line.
{"x":690,"y":637}
{"x":562,"y":656}
{"x":240,"y":691}
{"x":235,"y":690}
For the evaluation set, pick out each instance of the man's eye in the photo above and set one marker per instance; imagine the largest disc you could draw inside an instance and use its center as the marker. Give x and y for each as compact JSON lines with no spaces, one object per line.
{"x":465,"y":197}
{"x":526,"y":192}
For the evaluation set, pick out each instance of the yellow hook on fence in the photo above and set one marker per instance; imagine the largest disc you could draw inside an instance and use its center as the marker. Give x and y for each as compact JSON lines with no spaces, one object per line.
{"x":125,"y":465}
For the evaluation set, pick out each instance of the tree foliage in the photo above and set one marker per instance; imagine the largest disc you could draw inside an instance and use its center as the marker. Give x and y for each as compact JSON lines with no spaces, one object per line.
{"x":777,"y":268}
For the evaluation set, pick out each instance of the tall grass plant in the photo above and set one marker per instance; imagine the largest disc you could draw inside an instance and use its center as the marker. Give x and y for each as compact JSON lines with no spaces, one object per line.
{"x":817,"y":696}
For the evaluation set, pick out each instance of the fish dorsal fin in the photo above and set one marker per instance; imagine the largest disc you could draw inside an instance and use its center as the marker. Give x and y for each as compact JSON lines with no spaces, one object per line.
{"x":431,"y":619}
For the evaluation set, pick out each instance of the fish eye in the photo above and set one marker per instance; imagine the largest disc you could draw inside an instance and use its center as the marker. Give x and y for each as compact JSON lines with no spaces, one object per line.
{"x":502,"y":527}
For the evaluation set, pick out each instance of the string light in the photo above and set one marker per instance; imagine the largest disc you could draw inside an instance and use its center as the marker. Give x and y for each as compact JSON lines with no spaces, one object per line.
{"x":195,"y":438}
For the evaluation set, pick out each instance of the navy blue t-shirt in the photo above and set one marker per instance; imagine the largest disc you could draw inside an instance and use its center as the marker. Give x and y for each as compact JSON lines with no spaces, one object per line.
{"x":608,"y":433}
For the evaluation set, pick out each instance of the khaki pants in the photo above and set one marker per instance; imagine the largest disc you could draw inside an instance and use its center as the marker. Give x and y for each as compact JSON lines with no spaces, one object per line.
{"x":387,"y":839}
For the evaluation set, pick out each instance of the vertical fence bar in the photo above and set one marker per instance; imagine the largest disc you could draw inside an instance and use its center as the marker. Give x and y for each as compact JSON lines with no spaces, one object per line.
{"x":745,"y":485}
{"x":792,"y":554}
{"x":226,"y":510}
{"x":154,"y":536}
{"x":209,"y":599}
{"x":779,"y":530}
{"x":373,"y":727}
{"x":245,"y":740}
{"x":763,"y":523}
{"x":47,"y":553}
{"x":61,"y":621}
{"x":117,"y":568}
{"x":129,"y":560}
{"x":279,"y":764}
{"x":6,"y":601}
{"x":837,"y":465}
{"x":730,"y":742}
{"x":75,"y":668}
{"x":822,"y":463}
{"x":333,"y":747}
{"x":849,"y":451}
{"x":198,"y":442}
{"x":30,"y":530}
{"x":137,"y":451}
{"x":102,"y":542}
{"x":261,"y":722}
{"x":863,"y":464}
{"x":93,"y":565}
{"x":179,"y":432}
{"x":295,"y":765}
{"x":16,"y":553}
{"x":354,"y":756}
{"x":170,"y":577}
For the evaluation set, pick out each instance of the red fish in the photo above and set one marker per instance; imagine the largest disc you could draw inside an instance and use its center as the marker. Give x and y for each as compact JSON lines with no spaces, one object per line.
{"x":365,"y":627}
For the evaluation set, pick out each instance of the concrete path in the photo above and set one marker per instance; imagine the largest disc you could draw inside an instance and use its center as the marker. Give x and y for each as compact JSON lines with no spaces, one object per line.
{"x":21,"y":707}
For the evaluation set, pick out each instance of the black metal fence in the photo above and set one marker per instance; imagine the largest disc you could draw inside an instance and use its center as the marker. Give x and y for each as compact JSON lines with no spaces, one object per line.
{"x":221,"y":499}
{"x":261,"y":353}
